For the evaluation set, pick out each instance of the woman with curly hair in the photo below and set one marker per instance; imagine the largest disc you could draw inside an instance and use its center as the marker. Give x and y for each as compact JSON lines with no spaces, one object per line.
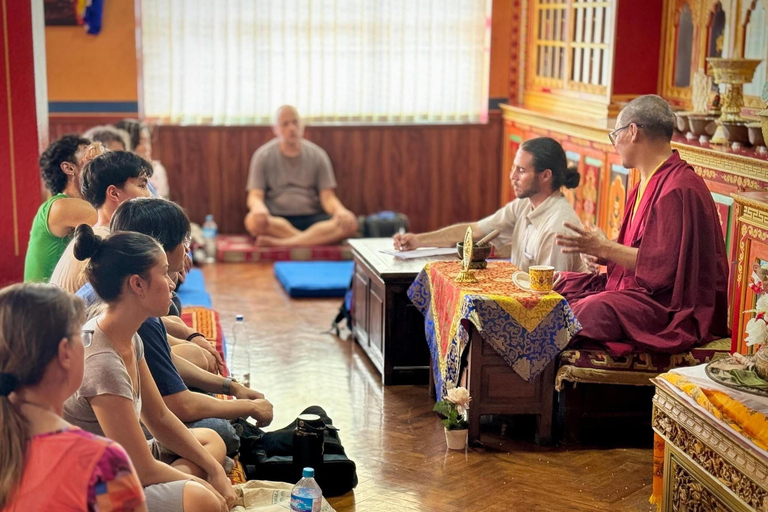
{"x":61,"y":166}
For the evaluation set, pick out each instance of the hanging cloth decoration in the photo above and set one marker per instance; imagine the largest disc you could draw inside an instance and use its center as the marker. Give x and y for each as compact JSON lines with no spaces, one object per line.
{"x":89,"y":14}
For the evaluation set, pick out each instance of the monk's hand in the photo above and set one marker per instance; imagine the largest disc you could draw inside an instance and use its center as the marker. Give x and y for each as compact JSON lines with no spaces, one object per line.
{"x":406,"y":241}
{"x":585,"y":241}
{"x":345,"y":219}
{"x":591,"y":263}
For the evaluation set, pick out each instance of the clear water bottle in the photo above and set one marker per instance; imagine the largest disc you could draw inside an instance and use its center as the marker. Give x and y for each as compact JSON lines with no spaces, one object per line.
{"x":306,"y":495}
{"x":210,"y":230}
{"x":240,"y":357}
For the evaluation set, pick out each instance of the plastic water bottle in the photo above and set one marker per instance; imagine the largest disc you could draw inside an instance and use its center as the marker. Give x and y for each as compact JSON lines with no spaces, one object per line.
{"x":306,"y":495}
{"x":210,"y":230}
{"x":240,"y":357}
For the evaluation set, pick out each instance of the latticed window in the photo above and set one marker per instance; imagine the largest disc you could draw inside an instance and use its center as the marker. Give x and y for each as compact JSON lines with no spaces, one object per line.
{"x":551,"y":33}
{"x":571,"y":44}
{"x":589,"y":46}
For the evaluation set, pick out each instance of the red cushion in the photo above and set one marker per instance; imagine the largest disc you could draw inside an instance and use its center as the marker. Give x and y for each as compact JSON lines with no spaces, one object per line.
{"x":240,"y":248}
{"x":206,"y":322}
{"x":644,"y":362}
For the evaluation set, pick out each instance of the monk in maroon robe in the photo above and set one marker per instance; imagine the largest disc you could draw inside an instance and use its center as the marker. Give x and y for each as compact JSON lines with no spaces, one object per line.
{"x":666,"y":285}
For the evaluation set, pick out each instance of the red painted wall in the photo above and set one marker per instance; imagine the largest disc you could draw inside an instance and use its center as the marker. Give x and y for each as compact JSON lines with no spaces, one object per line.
{"x":638,"y":45}
{"x":19,"y":174}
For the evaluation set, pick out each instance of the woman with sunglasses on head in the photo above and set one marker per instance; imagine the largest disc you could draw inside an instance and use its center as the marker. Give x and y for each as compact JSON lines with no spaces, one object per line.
{"x":180,"y":469}
{"x":46,"y":463}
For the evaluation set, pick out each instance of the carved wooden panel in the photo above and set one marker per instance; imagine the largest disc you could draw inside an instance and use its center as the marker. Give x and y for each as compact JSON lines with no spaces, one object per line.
{"x":618,"y":189}
{"x":717,"y":457}
{"x":690,"y":495}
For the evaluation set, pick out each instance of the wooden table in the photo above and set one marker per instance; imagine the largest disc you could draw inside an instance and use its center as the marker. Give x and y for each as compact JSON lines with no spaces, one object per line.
{"x":386,"y":324}
{"x":496,"y":389}
{"x":497,"y":340}
{"x":707,"y":466}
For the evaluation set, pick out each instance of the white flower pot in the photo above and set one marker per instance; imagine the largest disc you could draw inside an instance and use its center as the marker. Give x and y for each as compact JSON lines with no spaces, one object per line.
{"x":456,"y":439}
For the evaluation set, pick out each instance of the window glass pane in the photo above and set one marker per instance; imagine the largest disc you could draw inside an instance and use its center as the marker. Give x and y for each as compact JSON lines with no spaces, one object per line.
{"x":684,"y":48}
{"x":756,"y":47}
{"x":391,"y":61}
{"x":717,"y":32}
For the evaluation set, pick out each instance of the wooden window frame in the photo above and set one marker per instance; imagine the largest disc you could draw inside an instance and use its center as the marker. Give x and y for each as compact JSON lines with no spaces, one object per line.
{"x":557,"y":94}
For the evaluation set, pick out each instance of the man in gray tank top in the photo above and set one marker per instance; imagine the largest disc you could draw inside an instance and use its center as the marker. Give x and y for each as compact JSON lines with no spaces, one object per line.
{"x":291,"y":197}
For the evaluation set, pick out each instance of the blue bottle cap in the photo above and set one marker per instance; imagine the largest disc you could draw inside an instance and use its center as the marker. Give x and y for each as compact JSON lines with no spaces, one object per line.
{"x":239,"y":318}
{"x":308,"y":473}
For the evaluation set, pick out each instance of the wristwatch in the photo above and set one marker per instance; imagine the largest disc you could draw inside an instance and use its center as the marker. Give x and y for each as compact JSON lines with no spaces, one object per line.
{"x":226,"y":387}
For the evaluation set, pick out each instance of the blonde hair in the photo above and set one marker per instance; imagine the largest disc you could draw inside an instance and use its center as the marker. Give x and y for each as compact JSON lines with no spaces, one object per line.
{"x":33,"y":320}
{"x":93,"y":150}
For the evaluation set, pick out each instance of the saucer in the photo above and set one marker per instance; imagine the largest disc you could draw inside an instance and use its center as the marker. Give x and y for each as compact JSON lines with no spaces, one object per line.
{"x":527,"y":288}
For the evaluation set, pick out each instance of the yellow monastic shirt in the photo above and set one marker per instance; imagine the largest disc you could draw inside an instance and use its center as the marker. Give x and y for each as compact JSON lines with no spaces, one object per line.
{"x":641,"y":190}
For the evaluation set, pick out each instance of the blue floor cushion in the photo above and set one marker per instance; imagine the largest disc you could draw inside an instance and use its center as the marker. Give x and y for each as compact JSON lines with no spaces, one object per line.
{"x":315,"y":278}
{"x":192,"y":291}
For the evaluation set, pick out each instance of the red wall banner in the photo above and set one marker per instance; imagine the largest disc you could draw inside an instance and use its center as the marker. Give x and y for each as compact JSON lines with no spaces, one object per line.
{"x":19,"y":172}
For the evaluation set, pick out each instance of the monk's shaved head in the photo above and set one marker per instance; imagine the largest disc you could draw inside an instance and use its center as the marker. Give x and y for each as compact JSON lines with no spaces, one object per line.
{"x":652,"y":113}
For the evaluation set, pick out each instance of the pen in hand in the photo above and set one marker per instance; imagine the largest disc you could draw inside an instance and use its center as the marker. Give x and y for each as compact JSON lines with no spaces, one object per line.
{"x":398,"y":244}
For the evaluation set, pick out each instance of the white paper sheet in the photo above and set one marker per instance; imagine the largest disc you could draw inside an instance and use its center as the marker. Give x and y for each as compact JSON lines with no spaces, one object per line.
{"x":427,"y":252}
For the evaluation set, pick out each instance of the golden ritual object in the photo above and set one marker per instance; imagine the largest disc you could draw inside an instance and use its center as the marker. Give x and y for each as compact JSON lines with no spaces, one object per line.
{"x":466,"y":275}
{"x":733,"y":74}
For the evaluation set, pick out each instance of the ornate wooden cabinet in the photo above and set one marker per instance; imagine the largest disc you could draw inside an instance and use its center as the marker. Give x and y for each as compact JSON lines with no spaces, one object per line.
{"x":751,"y":248}
{"x":706,"y":467}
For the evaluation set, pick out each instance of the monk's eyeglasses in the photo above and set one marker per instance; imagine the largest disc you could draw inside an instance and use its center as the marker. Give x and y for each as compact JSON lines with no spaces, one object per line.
{"x":612,"y":135}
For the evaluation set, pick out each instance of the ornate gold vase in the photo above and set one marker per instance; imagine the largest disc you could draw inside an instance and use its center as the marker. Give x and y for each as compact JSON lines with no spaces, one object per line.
{"x":733,"y":73}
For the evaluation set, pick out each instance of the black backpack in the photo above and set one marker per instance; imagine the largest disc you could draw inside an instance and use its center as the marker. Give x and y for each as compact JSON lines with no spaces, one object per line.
{"x":383,"y":224}
{"x":269,"y":456}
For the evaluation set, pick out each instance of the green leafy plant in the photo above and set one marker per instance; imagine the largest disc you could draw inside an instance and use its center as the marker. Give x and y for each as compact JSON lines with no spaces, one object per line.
{"x":453,"y":408}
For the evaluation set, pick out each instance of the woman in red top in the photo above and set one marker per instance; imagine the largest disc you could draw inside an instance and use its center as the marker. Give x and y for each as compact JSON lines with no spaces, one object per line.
{"x":45,"y":463}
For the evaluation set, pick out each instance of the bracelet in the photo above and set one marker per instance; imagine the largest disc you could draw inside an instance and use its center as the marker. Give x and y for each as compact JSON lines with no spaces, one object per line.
{"x":195,"y":335}
{"x":226,"y":387}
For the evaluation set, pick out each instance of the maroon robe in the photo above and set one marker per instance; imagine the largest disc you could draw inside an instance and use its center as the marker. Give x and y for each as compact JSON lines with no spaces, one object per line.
{"x":677,"y":296}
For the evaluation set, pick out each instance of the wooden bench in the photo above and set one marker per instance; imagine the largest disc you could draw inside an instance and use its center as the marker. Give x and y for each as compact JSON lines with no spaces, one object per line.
{"x":595,"y":388}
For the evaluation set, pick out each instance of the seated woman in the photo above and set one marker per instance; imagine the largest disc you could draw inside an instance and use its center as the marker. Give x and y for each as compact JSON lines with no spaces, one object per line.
{"x":41,"y":364}
{"x":129,"y":271}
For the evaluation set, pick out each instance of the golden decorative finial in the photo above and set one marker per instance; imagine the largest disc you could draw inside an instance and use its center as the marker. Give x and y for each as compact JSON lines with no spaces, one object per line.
{"x":466,"y":275}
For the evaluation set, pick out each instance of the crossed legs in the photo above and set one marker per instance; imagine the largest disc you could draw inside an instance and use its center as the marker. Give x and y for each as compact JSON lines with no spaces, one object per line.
{"x":280,"y":233}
